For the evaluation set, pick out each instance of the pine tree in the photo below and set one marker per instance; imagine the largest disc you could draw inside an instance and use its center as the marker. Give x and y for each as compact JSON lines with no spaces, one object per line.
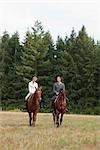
{"x":13,"y":78}
{"x":4,"y":64}
{"x":34,"y":56}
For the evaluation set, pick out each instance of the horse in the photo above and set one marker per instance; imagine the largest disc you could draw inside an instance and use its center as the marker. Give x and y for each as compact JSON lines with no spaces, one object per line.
{"x":33,"y":105}
{"x":59,"y":108}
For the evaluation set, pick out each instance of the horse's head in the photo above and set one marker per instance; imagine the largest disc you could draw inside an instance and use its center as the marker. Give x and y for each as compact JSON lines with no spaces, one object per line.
{"x":60,"y":104}
{"x":38,"y":93}
{"x":61,"y":94}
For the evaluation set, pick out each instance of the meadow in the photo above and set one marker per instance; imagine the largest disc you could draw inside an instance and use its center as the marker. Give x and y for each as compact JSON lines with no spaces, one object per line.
{"x":78,"y":132}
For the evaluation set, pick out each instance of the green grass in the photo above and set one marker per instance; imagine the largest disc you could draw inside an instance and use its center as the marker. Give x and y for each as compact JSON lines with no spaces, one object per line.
{"x":78,"y":132}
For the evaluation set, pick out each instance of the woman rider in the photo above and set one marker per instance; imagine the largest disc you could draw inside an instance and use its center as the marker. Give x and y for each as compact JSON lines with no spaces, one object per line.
{"x":32,"y":86}
{"x":57,"y":87}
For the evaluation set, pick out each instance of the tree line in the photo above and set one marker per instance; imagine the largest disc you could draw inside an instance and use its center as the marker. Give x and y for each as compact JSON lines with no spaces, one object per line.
{"x":75,"y":58}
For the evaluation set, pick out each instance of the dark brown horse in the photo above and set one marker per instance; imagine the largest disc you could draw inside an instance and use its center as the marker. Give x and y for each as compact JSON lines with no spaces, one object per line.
{"x":33,"y":105}
{"x":59,"y":108}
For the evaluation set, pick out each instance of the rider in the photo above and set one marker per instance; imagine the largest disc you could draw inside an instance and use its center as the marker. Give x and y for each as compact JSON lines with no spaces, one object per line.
{"x":58,"y":85}
{"x":32,"y":86}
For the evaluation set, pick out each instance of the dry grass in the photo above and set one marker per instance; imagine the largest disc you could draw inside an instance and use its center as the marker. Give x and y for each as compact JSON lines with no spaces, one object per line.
{"x":76,"y":133}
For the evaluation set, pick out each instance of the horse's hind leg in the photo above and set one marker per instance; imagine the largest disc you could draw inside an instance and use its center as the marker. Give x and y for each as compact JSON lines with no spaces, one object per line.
{"x":61,"y":119}
{"x":30,"y":118}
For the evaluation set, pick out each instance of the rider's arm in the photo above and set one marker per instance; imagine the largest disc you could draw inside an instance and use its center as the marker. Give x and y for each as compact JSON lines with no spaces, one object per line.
{"x":63,"y":87}
{"x":36,"y":85}
{"x":54,"y":89}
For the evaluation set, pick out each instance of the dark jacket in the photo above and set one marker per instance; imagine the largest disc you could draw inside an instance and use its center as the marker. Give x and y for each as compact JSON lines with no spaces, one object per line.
{"x":57,"y":87}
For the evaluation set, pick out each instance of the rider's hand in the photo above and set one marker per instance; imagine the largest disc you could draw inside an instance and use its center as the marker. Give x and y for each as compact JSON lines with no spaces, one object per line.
{"x":57,"y":93}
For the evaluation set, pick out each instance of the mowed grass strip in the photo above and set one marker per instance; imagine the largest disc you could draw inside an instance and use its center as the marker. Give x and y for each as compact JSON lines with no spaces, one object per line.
{"x":78,"y":132}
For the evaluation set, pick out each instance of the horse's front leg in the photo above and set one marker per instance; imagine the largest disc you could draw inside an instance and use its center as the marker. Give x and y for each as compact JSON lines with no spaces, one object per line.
{"x":34,"y":118}
{"x":30,"y":118}
{"x":61,"y":119}
{"x":57,"y":119}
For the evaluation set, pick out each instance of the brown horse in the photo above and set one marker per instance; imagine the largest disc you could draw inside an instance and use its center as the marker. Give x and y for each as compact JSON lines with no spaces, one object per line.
{"x":33,"y":105}
{"x":59,"y":108}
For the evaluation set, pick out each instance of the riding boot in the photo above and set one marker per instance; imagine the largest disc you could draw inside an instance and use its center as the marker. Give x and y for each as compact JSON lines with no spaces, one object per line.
{"x":66,"y":109}
{"x":26,"y":101}
{"x":40,"y":105}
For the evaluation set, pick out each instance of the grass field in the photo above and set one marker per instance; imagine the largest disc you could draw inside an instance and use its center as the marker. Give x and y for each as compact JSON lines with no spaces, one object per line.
{"x":78,"y":132}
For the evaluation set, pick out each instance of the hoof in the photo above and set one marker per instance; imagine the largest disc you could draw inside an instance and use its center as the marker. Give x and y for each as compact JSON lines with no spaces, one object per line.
{"x":33,"y":124}
{"x":57,"y":125}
